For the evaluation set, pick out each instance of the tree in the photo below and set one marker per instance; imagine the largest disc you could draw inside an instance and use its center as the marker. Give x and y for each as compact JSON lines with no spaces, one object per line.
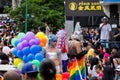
{"x":39,"y":12}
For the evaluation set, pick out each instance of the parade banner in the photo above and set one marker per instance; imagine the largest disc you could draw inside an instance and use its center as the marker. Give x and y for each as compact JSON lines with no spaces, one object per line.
{"x":83,"y":8}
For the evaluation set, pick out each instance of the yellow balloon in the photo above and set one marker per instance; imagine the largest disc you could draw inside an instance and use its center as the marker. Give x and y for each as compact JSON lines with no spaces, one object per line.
{"x":40,"y":35}
{"x":17,"y":61}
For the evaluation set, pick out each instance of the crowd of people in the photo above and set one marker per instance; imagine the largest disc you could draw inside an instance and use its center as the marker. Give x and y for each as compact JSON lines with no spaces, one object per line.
{"x":102,"y":61}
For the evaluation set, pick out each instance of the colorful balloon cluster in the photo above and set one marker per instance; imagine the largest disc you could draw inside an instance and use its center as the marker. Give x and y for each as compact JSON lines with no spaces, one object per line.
{"x":63,"y":76}
{"x":28,"y":48}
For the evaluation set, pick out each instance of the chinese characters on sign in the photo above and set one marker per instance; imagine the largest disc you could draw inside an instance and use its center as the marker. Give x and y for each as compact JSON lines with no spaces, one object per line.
{"x":83,"y":8}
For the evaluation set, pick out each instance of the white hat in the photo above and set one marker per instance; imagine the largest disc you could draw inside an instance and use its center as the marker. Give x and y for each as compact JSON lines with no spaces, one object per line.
{"x":117,"y":68}
{"x":104,"y":18}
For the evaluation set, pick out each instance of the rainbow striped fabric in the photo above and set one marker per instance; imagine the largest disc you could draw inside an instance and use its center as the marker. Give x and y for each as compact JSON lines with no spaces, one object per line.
{"x":77,"y":69}
{"x":81,"y":64}
{"x":73,"y":68}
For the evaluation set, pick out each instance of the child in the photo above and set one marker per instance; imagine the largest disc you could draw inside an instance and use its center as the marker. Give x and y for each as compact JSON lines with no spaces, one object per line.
{"x":98,"y":69}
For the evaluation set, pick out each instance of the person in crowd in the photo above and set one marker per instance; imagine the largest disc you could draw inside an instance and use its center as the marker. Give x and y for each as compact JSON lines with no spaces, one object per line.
{"x":98,"y":69}
{"x":29,"y":72}
{"x":54,"y":53}
{"x":96,"y":52}
{"x":96,"y":39}
{"x":106,"y":58}
{"x":48,"y":70}
{"x":47,"y":29}
{"x":114,"y":57}
{"x":85,"y":34}
{"x":74,"y":47}
{"x":12,"y":75}
{"x":117,"y":38}
{"x":108,"y":72}
{"x":90,"y":50}
{"x":105,"y":29}
{"x":91,"y":69}
{"x":4,"y":59}
{"x":91,"y":34}
{"x":117,"y":75}
{"x":62,"y":45}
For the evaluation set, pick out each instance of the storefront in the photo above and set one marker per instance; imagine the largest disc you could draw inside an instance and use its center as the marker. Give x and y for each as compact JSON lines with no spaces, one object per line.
{"x":87,"y":12}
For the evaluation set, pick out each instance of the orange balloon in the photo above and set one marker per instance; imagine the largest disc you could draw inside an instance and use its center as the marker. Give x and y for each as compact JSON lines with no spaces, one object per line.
{"x":44,"y":39}
{"x":43,"y":44}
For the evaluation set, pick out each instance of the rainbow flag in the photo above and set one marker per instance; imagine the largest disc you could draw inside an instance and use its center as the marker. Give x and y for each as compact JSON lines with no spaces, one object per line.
{"x":81,"y":64}
{"x":73,"y":68}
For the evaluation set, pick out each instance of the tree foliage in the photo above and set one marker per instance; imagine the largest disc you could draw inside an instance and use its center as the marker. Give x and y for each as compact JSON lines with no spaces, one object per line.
{"x":39,"y":12}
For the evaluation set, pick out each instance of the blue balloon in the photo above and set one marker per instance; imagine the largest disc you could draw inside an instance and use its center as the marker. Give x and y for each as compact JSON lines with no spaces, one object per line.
{"x":30,"y":57}
{"x":17,"y":42}
{"x":26,"y":50}
{"x":39,"y":57}
{"x":25,"y":59}
{"x":35,"y":49}
{"x":15,"y":51}
{"x":20,"y":54}
{"x":39,"y":47}
{"x":41,"y":52}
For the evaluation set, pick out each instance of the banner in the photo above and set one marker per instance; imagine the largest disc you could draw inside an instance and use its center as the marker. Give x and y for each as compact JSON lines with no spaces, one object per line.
{"x":83,"y":8}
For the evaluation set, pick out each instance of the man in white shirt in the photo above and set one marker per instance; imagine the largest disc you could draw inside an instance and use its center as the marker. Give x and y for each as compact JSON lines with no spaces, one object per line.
{"x":105,"y":28}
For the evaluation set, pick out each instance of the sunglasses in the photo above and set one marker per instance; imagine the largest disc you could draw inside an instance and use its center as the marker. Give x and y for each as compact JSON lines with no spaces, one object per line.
{"x":54,"y":41}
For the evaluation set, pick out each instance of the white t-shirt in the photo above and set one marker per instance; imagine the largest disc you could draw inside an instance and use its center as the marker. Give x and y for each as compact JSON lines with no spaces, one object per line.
{"x":105,"y":31}
{"x":64,"y":56}
{"x":94,"y":73}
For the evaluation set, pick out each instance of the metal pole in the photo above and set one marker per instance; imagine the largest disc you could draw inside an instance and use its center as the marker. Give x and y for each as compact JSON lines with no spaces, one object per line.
{"x":92,"y":20}
{"x":26,"y":15}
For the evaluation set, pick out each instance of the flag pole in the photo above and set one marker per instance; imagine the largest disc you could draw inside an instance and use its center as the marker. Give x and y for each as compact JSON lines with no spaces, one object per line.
{"x":79,"y":69}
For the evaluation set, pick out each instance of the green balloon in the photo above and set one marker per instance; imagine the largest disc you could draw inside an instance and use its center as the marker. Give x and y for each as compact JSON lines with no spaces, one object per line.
{"x":20,"y":65}
{"x":13,"y":41}
{"x":39,"y":77}
{"x":20,"y":35}
{"x":36,"y":63}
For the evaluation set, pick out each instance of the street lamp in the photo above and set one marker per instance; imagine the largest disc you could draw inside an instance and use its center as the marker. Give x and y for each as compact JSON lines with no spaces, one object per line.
{"x":26,"y":16}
